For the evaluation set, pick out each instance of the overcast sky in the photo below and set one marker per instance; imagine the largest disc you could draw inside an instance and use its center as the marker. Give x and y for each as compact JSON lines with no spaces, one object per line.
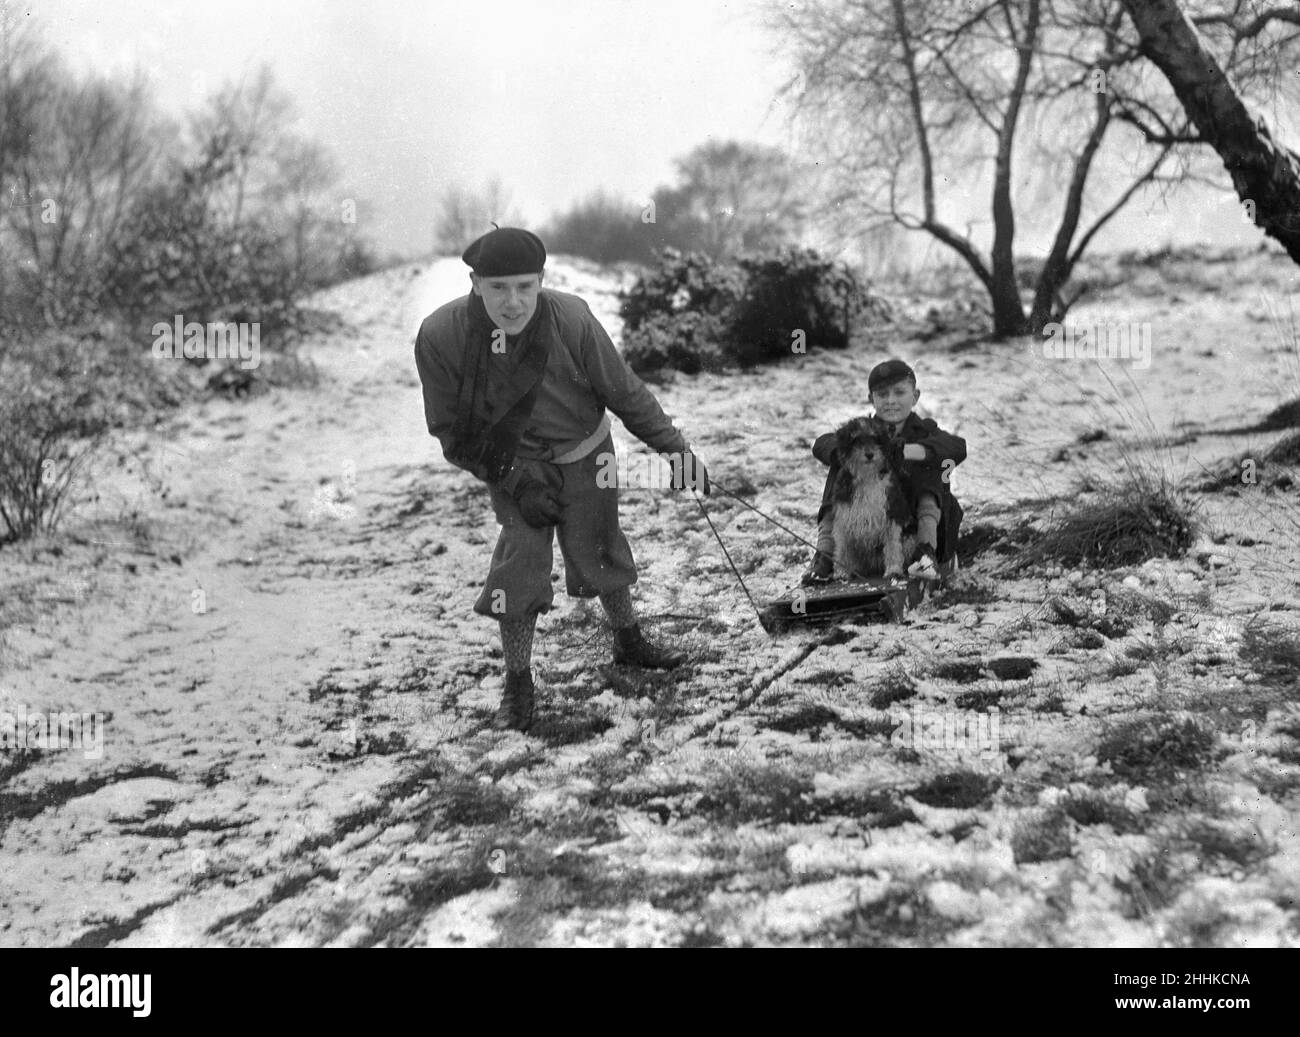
{"x":557,"y":97}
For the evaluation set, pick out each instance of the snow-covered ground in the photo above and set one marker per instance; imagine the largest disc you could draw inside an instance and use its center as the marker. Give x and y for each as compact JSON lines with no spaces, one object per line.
{"x":270,"y":607}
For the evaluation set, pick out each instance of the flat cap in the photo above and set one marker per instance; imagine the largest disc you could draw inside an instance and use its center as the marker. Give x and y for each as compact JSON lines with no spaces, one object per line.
{"x":888,"y":373}
{"x":505,"y":252}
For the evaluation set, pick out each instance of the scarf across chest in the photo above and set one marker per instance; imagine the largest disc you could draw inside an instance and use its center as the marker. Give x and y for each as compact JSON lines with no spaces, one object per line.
{"x":499,"y":385}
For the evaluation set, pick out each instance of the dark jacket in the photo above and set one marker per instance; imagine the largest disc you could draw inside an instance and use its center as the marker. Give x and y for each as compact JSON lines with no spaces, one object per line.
{"x":583,"y":376}
{"x":928,"y":476}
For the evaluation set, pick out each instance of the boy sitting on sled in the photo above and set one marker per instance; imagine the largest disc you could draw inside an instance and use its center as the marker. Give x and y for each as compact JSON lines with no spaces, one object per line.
{"x":922,"y":455}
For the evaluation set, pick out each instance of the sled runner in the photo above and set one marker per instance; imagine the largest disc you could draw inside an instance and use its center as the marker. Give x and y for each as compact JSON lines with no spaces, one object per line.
{"x":867,"y":599}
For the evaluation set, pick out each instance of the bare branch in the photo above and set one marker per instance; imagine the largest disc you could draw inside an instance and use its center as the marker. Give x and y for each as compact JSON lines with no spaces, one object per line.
{"x":1119,"y":204}
{"x":1252,"y":28}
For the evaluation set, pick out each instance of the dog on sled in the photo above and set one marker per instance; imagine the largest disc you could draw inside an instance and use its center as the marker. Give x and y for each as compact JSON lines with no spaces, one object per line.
{"x":872,"y":522}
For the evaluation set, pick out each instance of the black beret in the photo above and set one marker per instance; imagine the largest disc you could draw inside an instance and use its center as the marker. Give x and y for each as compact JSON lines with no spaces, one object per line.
{"x":505,"y":252}
{"x":888,"y":373}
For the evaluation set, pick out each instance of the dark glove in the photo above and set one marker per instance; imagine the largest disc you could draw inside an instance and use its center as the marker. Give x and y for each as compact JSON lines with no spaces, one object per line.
{"x":538,"y":503}
{"x":689,"y":470}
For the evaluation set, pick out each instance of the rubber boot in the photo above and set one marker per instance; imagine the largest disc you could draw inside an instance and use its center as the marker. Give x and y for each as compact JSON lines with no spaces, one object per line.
{"x":516,"y":710}
{"x":632,"y":649}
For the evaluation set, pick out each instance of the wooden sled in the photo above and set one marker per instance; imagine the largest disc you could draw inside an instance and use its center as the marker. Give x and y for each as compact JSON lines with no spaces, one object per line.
{"x":867,"y":599}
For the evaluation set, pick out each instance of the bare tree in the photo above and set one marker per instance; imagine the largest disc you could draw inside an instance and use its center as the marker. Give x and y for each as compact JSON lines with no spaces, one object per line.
{"x":729,"y":197}
{"x":603,"y":228}
{"x":905,"y":96}
{"x":277,"y":179}
{"x":304,"y":204}
{"x":26,"y":75}
{"x":247,"y":118}
{"x":732,"y":197}
{"x":1265,"y":174}
{"x":69,"y":191}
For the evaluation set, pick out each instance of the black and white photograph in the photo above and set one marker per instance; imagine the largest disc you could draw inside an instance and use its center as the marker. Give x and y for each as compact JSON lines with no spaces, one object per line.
{"x":650,"y":474}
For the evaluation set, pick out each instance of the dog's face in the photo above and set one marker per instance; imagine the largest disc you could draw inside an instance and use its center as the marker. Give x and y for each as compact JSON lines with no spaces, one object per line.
{"x":861,"y":454}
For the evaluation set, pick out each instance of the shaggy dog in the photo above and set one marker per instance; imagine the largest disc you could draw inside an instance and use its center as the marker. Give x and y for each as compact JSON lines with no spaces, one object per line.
{"x":870,"y":508}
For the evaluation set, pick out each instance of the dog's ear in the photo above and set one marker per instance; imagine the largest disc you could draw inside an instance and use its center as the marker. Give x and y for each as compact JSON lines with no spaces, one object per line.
{"x":843,"y":439}
{"x":849,"y":433}
{"x":844,"y":483}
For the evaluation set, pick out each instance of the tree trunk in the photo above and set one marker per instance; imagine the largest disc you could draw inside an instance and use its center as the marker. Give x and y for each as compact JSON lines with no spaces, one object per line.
{"x":1004,"y":292}
{"x":1264,"y":173}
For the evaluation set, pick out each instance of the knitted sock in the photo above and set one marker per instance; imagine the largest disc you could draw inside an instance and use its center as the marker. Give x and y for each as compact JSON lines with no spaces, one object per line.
{"x":618,"y":606}
{"x":927,"y":520}
{"x":517,"y":642}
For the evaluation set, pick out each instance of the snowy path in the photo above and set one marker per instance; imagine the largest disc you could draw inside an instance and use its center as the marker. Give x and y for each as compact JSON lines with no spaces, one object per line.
{"x":305,"y":759}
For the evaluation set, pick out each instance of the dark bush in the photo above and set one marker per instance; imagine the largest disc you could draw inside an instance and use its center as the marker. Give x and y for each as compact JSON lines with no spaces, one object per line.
{"x":691,"y":313}
{"x":1286,"y":415}
{"x":1217,"y":843}
{"x":1151,"y":749}
{"x":1286,"y":451}
{"x":1092,"y":808}
{"x":681,"y":283}
{"x":980,"y":537}
{"x":1271,"y":646}
{"x":960,"y":671}
{"x":1127,"y":524}
{"x":1274,"y":468}
{"x":182,"y":256}
{"x":789,"y":294}
{"x":674,"y":316}
{"x":52,"y":418}
{"x":957,"y":790}
{"x":688,"y":342}
{"x":894,"y":685}
{"x":1013,"y":668}
{"x":1045,"y":838}
{"x":64,"y":390}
